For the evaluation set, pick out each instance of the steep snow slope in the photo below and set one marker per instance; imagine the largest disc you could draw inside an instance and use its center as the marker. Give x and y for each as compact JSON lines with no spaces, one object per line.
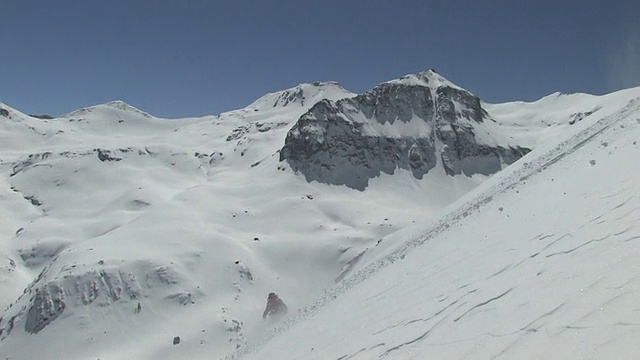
{"x":540,"y":261}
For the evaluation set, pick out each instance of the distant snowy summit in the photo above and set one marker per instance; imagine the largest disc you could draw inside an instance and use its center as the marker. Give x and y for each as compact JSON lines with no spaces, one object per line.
{"x":115,"y":107}
{"x":415,"y":122}
{"x":301,"y":95}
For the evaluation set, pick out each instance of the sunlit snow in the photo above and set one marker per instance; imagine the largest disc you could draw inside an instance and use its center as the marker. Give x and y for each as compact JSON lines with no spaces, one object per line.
{"x":153,"y":229}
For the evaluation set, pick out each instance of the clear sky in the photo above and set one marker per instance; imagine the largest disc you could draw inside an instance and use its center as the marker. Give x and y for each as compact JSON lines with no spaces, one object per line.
{"x":189,"y":58}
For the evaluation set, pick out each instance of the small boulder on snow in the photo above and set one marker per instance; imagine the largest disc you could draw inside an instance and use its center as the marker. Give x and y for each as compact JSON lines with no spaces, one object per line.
{"x":243,"y":270}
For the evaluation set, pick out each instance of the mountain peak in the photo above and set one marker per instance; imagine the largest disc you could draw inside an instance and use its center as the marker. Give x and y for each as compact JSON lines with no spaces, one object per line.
{"x":117,"y":105}
{"x":322,"y":84}
{"x":301,"y":95}
{"x":121,"y":105}
{"x":429,"y":78}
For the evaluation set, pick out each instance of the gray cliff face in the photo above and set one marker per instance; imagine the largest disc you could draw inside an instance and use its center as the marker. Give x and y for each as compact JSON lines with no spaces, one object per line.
{"x":394,"y":102}
{"x":456,"y":113}
{"x":334,"y":142}
{"x":102,"y":287}
{"x":63,"y":294}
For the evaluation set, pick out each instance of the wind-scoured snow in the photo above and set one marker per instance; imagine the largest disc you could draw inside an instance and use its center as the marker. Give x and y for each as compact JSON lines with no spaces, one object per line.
{"x":121,"y":231}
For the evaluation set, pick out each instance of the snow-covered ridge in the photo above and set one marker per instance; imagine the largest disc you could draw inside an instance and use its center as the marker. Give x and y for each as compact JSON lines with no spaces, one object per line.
{"x":531,"y":123}
{"x":117,"y":105}
{"x":301,"y":95}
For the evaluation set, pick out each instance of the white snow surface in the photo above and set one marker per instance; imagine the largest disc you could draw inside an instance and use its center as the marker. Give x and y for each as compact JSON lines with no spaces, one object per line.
{"x":301,"y":96}
{"x":196,"y":221}
{"x":541,"y":261}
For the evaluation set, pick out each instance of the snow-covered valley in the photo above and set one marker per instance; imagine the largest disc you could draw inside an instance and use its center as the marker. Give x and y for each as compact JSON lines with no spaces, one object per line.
{"x":120,"y":231}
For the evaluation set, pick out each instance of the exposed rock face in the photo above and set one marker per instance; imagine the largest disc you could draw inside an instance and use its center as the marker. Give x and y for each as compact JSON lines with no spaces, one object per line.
{"x":106,"y":155}
{"x":457,"y":113}
{"x":407,"y":123}
{"x":28,"y":162}
{"x":260,"y":126}
{"x":101,"y":286}
{"x":44,"y":301}
{"x":46,"y":305}
{"x":42,"y":116}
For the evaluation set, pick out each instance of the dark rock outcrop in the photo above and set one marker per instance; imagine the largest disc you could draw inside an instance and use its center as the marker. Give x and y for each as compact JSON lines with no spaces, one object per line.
{"x":30,"y":161}
{"x":407,"y":123}
{"x":107,"y":155}
{"x":46,"y":305}
{"x":42,"y":117}
{"x":100,"y":286}
{"x":46,"y":301}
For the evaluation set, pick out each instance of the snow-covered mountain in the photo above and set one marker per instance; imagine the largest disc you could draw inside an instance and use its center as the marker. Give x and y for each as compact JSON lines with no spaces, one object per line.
{"x":411,"y":123}
{"x":120,"y":231}
{"x":301,"y":96}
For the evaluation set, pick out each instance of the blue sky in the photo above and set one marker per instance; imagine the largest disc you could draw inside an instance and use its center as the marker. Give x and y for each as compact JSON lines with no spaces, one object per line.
{"x":190,"y":58}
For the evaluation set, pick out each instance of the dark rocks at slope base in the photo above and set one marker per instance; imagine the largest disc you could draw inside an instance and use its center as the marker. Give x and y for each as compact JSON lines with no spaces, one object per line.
{"x":394,"y":125}
{"x":485,"y":160}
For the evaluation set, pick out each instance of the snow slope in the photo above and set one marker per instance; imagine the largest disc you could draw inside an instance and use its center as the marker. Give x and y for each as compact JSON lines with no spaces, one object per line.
{"x":541,"y":261}
{"x":540,"y":121}
{"x":120,"y":231}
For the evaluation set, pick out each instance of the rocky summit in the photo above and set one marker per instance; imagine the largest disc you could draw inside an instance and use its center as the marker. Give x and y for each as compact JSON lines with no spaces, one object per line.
{"x":415,"y":123}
